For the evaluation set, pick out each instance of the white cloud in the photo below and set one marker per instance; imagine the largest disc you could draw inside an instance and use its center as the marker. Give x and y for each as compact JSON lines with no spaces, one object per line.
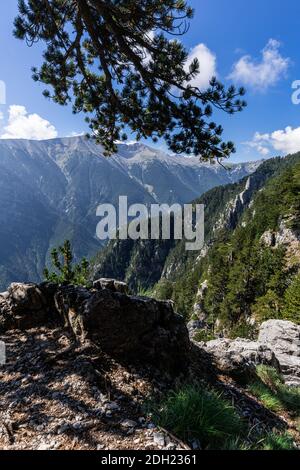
{"x":261,"y":74}
{"x":283,"y":141}
{"x":146,"y":54}
{"x":208,"y":65}
{"x":206,"y":58}
{"x":22,"y":125}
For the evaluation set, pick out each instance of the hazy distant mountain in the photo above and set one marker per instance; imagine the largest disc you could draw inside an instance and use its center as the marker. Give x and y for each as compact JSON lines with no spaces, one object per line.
{"x":49,"y":191}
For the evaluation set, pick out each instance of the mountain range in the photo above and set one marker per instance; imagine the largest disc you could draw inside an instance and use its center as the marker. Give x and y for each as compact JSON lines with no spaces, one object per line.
{"x":49,"y":192}
{"x":249,"y":268}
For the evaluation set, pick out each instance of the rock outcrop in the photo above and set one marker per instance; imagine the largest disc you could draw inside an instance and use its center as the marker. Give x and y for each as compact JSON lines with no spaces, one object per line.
{"x":240,"y":357}
{"x":126,"y":327}
{"x":133,"y":329}
{"x":198,"y":308}
{"x":139,"y":329}
{"x":26,"y":306}
{"x":111,"y":284}
{"x":283,"y":337}
{"x":278,"y":345}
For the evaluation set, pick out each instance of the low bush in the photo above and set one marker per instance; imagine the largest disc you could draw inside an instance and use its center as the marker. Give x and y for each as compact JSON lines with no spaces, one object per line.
{"x":203,"y":336}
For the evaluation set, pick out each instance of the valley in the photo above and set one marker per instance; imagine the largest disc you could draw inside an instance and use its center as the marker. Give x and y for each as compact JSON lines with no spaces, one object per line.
{"x":50,"y":190}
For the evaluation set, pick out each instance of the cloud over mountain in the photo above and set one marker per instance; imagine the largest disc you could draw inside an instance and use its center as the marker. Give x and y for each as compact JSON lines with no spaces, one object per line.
{"x":284,"y":141}
{"x":22,"y":125}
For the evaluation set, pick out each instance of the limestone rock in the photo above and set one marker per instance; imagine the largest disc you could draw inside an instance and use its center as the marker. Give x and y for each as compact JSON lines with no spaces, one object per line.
{"x":111,"y":284}
{"x":194,"y":326}
{"x":131,"y":328}
{"x":239,"y":357}
{"x":283,"y":337}
{"x":278,"y":346}
{"x":198,"y":306}
{"x":26,"y":306}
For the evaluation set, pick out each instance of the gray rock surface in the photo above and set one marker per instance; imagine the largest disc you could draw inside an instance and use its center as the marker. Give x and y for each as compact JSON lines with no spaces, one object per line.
{"x":111,"y":284}
{"x":125,"y":327}
{"x":283,"y":337}
{"x":239,"y":357}
{"x":26,"y":306}
{"x":278,"y":345}
{"x":24,"y":297}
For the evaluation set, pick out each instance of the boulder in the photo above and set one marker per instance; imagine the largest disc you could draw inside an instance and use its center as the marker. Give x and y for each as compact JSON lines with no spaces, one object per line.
{"x":111,"y":284}
{"x":125,"y":327}
{"x":278,"y":346}
{"x":133,"y":329}
{"x":26,"y":306}
{"x":239,"y":357}
{"x":25,"y":297}
{"x":283,"y":338}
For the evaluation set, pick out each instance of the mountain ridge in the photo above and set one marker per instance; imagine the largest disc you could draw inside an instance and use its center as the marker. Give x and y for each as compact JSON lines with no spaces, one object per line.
{"x":248,"y":270}
{"x":50,"y":191}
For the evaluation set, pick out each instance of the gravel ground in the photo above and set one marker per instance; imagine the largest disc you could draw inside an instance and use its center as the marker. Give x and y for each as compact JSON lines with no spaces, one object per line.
{"x":57,"y":395}
{"x":54,"y":395}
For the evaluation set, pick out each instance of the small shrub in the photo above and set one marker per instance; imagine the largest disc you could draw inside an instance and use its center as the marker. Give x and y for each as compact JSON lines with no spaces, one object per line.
{"x":203,"y":335}
{"x":242,"y":330}
{"x":143,"y":292}
{"x":236,"y":444}
{"x":292,"y":301}
{"x":194,"y":412}
{"x":64,"y":269}
{"x":269,"y":376}
{"x":164,"y":290}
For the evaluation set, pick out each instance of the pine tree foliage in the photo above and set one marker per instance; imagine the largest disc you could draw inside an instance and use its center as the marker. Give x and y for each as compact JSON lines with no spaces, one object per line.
{"x":65,"y":271}
{"x":119,"y":62}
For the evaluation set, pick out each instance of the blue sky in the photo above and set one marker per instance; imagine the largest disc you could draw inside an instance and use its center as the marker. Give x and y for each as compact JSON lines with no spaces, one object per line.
{"x":253,"y":44}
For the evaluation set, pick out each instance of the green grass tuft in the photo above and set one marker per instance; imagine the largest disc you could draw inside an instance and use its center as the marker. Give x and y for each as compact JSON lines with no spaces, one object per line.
{"x":270,"y":389}
{"x":194,"y":412}
{"x":266,"y":396}
{"x":275,"y":441}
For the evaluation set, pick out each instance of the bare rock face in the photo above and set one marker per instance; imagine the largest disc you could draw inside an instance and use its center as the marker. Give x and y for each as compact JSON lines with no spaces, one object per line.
{"x":135,"y":329}
{"x":111,"y":284}
{"x":128,"y":328}
{"x":26,"y":306}
{"x":240,"y":357}
{"x":278,"y":346}
{"x":283,"y":337}
{"x":198,"y":309}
